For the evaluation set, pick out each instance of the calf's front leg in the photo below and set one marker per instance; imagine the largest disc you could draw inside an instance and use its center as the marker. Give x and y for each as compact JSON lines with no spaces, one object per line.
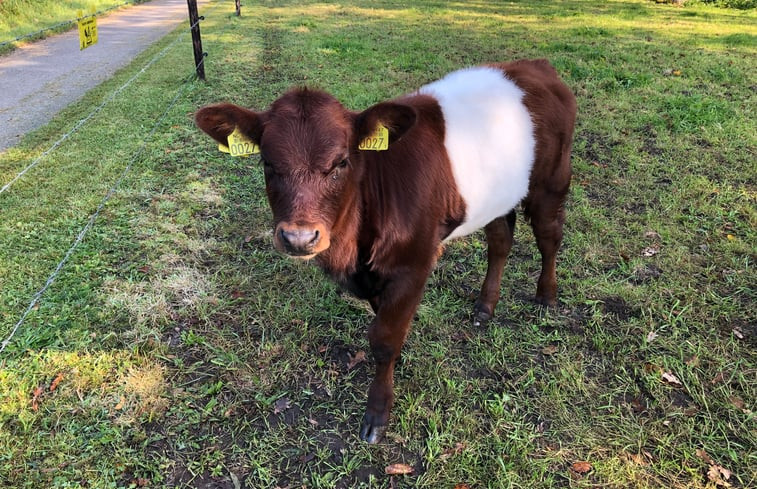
{"x":394,"y":312}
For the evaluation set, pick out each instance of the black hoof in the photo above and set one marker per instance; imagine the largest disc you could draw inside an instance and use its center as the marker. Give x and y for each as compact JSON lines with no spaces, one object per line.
{"x":370,"y":431}
{"x":481,"y":315}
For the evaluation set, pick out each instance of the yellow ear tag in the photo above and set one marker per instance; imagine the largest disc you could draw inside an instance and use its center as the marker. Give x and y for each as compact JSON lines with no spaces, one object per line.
{"x":378,"y":141}
{"x":239,"y":145}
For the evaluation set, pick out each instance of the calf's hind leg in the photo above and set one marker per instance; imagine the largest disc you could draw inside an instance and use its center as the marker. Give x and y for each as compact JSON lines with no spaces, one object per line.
{"x":547,"y":215}
{"x":499,"y":240}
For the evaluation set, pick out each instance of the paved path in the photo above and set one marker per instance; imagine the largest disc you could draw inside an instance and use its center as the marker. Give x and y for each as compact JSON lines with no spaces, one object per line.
{"x":39,"y":79}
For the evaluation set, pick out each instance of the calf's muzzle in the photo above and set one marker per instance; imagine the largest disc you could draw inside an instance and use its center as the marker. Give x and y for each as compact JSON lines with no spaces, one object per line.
{"x":300,"y":241}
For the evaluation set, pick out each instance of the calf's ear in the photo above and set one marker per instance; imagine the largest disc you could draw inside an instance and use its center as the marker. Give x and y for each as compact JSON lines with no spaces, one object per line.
{"x":397,"y":118}
{"x":220,"y":120}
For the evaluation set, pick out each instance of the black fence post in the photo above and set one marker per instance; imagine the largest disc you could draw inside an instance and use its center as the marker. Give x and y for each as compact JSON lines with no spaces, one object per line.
{"x":238,"y":4}
{"x":194,"y":23}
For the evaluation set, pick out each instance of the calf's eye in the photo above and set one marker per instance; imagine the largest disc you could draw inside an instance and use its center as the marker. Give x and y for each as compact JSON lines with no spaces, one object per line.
{"x":337,"y":169}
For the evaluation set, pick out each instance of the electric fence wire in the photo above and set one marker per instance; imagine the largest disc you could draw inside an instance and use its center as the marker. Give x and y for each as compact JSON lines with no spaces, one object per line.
{"x":94,"y":111}
{"x":90,"y":222}
{"x":60,"y":24}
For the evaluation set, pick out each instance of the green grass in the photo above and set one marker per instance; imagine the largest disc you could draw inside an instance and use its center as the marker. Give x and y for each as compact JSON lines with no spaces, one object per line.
{"x":22,"y":17}
{"x":188,"y":353}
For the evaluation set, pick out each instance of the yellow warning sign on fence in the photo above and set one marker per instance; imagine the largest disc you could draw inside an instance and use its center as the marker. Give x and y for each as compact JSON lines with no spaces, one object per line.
{"x":87,"y":30}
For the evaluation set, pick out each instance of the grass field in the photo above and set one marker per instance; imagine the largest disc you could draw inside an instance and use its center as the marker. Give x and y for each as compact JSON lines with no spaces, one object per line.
{"x":177,"y":349}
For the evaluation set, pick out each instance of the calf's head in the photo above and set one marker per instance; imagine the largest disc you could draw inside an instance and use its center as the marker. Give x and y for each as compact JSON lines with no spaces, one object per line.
{"x":309,"y":149}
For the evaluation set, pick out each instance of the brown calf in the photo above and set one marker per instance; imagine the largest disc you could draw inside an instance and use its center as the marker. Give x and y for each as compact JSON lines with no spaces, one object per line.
{"x":463,"y":152}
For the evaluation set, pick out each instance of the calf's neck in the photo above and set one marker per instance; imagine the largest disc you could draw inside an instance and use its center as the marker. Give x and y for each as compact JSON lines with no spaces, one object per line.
{"x":463,"y":152}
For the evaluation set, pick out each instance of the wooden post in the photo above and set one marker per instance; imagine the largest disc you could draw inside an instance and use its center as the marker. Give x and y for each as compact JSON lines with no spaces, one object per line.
{"x":194,"y":23}
{"x":238,"y":4}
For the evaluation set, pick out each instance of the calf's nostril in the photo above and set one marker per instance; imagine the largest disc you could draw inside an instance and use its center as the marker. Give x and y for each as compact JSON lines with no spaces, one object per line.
{"x":284,"y":235}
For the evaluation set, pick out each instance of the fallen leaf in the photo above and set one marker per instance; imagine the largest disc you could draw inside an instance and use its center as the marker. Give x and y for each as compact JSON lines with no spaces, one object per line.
{"x":398,"y":469}
{"x":671,"y":379}
{"x":738,"y":334}
{"x":281,"y":405}
{"x":704,"y":456}
{"x":55,"y":382}
{"x":549,"y":350}
{"x":650,"y":368}
{"x":638,"y":459}
{"x":236,"y":294}
{"x":457,"y":449}
{"x":144,"y":269}
{"x":652,"y":235}
{"x":719,"y":475}
{"x":120,"y":404}
{"x":638,"y":405}
{"x":650,"y":251}
{"x":355,"y":359}
{"x":738,"y":403}
{"x":313,"y":422}
{"x":718,"y":378}
{"x":461,"y":336}
{"x":35,"y":397}
{"x":581,"y":467}
{"x":306,"y":458}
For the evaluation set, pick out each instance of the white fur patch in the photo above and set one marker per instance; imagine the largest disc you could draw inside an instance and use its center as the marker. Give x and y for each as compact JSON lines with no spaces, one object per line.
{"x":489,"y":139}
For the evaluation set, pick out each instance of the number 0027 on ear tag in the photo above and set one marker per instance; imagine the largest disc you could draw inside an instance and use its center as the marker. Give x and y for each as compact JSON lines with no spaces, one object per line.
{"x":240,"y":145}
{"x":378,"y":141}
